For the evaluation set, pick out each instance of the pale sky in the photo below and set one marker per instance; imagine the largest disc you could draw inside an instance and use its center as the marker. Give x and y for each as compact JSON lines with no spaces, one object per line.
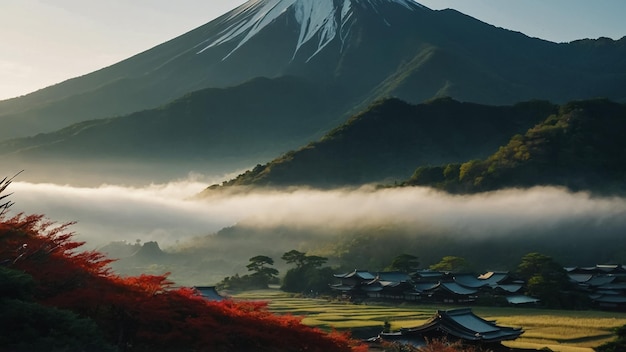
{"x":43,"y":42}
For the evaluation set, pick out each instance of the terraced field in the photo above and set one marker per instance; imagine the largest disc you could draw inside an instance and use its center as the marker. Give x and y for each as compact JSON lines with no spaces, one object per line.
{"x":564,"y":331}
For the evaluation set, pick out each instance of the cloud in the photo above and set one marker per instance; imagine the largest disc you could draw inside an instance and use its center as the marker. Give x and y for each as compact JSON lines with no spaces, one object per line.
{"x":167,"y":214}
{"x":487,"y":214}
{"x":113,"y":213}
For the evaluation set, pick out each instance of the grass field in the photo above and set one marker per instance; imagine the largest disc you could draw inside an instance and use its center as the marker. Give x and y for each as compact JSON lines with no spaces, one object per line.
{"x":564,"y":331}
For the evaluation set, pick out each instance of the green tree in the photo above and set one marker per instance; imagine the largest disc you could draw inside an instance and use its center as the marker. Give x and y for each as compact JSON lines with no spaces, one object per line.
{"x":308,"y":275}
{"x":263,"y":274}
{"x":260,"y":265}
{"x":294,"y":257}
{"x":545,"y":278}
{"x":315,"y":261}
{"x":451,"y":264}
{"x":302,"y":260}
{"x":451,"y":171}
{"x":468,"y":169}
{"x":405,"y":263}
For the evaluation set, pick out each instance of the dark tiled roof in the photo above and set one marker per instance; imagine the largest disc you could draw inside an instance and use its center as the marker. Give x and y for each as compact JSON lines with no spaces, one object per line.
{"x":512,"y":288}
{"x":462,"y":324}
{"x":580,"y":278}
{"x":209,"y":292}
{"x":362,"y":274}
{"x":597,"y":281}
{"x":457,"y":289}
{"x":470,"y":281}
{"x":394,"y":276}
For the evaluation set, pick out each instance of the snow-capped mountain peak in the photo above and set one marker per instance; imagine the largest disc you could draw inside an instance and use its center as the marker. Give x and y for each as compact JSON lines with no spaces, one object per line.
{"x":321,"y":20}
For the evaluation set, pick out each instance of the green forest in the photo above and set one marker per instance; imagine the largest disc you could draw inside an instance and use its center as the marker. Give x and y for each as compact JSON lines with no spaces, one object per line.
{"x":580,"y":148}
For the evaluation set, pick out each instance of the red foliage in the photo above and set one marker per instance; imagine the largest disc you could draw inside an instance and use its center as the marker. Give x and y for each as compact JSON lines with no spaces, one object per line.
{"x":145,"y":312}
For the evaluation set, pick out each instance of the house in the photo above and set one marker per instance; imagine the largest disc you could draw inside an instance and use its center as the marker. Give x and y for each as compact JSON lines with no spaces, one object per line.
{"x":605,"y":284}
{"x":352,"y":283}
{"x":209,"y":293}
{"x":385,"y":285}
{"x":392,"y":285}
{"x":428,"y":286}
{"x":447,"y":292}
{"x":455,"y":324}
{"x":355,"y":278}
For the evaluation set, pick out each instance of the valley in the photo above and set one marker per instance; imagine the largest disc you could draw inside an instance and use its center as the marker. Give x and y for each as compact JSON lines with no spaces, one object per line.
{"x":354,"y":131}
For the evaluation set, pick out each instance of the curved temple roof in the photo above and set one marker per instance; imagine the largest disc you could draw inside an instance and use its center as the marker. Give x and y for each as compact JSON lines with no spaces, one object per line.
{"x":460,"y":324}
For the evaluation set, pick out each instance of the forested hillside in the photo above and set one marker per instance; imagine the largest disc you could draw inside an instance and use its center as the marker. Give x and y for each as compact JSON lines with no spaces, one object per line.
{"x":582,"y":147}
{"x":388,"y":140}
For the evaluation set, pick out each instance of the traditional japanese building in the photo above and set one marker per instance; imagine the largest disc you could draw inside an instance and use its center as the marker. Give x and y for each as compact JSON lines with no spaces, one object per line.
{"x":209,"y":292}
{"x":447,"y":292}
{"x":429,"y":286}
{"x":455,"y":324}
{"x":385,"y":285}
{"x":353,"y":283}
{"x":605,"y":284}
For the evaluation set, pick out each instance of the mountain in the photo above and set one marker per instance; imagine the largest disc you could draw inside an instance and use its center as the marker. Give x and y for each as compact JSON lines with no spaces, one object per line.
{"x":368,"y":48}
{"x":354,"y":51}
{"x":462,"y":148}
{"x":581,"y":147}
{"x":217,"y":128}
{"x":258,"y":39}
{"x":390,"y":139}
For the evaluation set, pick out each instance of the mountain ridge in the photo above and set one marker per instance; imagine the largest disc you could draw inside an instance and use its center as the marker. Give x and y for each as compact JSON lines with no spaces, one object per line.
{"x":390,"y":139}
{"x":359,"y":62}
{"x":207,"y":130}
{"x":577,"y":145}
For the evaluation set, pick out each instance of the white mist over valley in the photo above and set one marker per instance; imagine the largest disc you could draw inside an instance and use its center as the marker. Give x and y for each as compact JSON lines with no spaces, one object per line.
{"x":169,"y":213}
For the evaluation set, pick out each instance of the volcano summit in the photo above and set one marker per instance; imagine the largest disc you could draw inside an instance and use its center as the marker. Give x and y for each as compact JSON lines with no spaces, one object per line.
{"x":320,"y":21}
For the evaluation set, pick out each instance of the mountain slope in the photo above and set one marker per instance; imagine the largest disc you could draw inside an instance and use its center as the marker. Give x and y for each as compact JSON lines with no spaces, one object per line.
{"x":172,"y":69}
{"x":391,"y":138}
{"x":582,"y":148}
{"x":220,"y":129}
{"x":367,"y":49}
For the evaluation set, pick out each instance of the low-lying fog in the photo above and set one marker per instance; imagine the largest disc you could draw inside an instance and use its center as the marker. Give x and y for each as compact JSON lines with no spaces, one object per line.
{"x":165,"y":212}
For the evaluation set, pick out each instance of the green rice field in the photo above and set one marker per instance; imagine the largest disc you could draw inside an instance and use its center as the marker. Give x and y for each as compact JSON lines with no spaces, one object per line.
{"x":559,"y":330}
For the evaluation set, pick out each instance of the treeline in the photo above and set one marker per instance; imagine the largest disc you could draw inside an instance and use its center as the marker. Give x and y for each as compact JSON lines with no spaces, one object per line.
{"x":544,"y":277}
{"x":308,"y":276}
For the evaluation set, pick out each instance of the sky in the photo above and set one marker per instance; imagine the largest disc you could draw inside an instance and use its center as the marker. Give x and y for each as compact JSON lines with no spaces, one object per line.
{"x":48,"y":41}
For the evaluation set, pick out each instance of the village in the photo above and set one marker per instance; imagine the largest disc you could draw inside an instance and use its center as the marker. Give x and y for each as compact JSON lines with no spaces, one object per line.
{"x":604,"y":286}
{"x":599,"y":287}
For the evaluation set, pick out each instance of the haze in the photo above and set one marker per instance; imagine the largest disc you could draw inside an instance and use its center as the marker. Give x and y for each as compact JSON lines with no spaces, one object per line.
{"x":166,"y":213}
